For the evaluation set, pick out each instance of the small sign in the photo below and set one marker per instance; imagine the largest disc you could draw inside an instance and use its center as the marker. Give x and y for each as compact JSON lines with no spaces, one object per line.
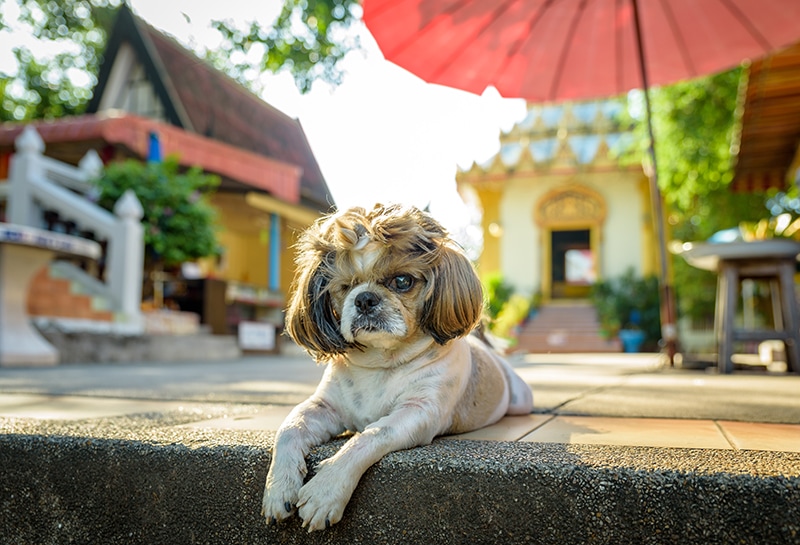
{"x":256,"y":336}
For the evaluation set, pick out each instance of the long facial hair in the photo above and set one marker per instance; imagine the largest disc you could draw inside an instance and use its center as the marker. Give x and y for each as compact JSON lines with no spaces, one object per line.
{"x":408,"y":241}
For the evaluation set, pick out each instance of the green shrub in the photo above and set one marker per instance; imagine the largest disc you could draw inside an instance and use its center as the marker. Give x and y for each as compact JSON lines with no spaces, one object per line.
{"x":179,"y":221}
{"x":498,"y":292}
{"x":629,"y":302}
{"x":513,"y":313}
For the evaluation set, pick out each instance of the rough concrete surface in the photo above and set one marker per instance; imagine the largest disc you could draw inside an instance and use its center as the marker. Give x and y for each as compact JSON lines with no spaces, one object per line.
{"x":140,"y":479}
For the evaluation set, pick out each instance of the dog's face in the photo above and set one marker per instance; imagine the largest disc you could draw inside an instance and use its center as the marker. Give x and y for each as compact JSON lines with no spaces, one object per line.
{"x":376,"y":279}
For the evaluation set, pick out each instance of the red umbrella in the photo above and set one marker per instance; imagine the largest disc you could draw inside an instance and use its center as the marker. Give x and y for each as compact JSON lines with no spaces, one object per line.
{"x":550,"y":50}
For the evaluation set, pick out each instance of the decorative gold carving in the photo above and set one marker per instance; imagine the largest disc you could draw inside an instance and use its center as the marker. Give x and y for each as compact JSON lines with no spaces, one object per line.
{"x":575,"y":205}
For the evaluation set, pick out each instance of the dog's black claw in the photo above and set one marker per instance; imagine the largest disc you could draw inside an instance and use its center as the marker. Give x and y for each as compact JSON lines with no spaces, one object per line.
{"x":272,"y":521}
{"x":327,"y":523}
{"x":288,"y":507}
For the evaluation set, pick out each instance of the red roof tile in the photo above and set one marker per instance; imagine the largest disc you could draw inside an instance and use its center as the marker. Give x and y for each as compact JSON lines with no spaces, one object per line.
{"x":276,"y":177}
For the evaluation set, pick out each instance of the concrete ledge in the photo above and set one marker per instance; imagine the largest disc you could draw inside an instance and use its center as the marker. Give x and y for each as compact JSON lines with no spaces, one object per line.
{"x":81,"y":346}
{"x":147,"y":480}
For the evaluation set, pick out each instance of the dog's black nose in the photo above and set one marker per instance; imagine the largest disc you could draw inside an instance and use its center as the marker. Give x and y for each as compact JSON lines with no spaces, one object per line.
{"x":366,"y":301}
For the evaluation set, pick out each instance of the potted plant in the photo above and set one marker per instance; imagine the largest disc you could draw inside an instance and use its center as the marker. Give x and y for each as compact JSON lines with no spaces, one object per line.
{"x":632,"y":336}
{"x":628,"y":308}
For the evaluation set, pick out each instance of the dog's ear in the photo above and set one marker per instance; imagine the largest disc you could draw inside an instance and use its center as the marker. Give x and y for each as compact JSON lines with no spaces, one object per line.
{"x":455,"y":303}
{"x":311,"y":320}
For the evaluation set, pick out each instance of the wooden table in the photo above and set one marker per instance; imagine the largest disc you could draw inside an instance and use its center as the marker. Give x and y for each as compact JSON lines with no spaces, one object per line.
{"x":771,"y":260}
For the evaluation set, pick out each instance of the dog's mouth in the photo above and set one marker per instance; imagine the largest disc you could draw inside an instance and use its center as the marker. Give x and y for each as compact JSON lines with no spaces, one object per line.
{"x":364,"y":324}
{"x":381,"y":327}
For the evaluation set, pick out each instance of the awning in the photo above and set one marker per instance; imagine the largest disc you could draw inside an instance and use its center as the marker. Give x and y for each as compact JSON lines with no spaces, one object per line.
{"x":770,"y":132}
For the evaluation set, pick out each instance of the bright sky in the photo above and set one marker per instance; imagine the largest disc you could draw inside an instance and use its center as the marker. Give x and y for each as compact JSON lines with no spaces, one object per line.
{"x":383,"y":135}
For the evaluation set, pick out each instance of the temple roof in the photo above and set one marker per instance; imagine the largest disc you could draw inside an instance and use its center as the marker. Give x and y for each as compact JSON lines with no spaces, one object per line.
{"x":563,"y":136}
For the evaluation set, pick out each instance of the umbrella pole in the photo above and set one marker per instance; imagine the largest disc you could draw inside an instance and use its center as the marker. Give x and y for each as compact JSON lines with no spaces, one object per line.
{"x":669,"y":330}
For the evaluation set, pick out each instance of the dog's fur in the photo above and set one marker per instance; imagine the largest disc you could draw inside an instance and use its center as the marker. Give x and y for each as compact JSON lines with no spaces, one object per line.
{"x":387,"y":300}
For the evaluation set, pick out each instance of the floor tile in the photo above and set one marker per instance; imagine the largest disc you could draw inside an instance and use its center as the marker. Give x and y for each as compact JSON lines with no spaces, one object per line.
{"x":54,"y":407}
{"x":644,"y":432}
{"x":509,"y":428}
{"x":754,"y":436}
{"x":270,"y":418}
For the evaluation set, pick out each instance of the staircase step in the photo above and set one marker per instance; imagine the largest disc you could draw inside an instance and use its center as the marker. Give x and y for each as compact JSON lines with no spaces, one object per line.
{"x":58,"y":297}
{"x":560,"y":328}
{"x":91,"y":347}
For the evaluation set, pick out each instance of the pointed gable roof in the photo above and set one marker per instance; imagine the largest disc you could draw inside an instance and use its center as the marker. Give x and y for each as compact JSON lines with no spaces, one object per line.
{"x":203,"y":100}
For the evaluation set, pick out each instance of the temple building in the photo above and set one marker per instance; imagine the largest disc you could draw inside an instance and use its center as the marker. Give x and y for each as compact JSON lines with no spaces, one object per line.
{"x":562,"y":207}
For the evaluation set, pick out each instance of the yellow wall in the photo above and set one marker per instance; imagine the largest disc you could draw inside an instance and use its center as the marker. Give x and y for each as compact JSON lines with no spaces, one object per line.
{"x":489,"y":262}
{"x":244,"y":235}
{"x":245,"y":258}
{"x":649,"y":241}
{"x":290,"y":233}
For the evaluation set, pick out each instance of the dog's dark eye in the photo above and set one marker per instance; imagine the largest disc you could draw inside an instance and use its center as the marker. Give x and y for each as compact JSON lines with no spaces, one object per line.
{"x":401,"y":283}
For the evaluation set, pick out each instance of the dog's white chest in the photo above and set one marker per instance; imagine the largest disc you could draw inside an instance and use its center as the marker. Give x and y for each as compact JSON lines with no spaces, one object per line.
{"x":366,"y":396}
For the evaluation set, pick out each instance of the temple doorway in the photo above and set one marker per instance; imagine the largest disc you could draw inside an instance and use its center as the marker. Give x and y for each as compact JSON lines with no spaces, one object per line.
{"x":573,"y":263}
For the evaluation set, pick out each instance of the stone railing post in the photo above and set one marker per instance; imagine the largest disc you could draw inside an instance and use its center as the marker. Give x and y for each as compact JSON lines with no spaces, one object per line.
{"x":126,"y":258}
{"x":91,"y":165}
{"x":26,"y":164}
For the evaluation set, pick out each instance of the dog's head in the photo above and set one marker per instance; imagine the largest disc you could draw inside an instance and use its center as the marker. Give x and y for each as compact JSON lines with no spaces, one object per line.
{"x":375,"y":279}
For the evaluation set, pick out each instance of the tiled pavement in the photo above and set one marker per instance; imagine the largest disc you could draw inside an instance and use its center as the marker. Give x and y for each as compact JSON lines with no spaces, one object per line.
{"x":593,"y":430}
{"x":615,"y":385}
{"x":588,"y":430}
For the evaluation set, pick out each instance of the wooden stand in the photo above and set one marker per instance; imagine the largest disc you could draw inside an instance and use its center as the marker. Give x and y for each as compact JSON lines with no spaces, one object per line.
{"x":779,"y":272}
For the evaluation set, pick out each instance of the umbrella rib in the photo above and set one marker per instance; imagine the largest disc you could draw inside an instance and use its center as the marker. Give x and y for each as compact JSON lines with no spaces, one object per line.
{"x":619,"y":50}
{"x":747,"y":24}
{"x":565,"y":49}
{"x":497,"y":13}
{"x":675,"y":28}
{"x":532,"y":22}
{"x":411,"y":38}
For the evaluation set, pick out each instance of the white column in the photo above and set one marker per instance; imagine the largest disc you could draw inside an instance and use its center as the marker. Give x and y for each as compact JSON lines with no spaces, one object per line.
{"x":126,"y":258}
{"x":26,"y":165}
{"x":20,"y":342}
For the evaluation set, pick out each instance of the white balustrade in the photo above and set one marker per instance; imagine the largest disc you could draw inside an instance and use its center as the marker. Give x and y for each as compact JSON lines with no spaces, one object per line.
{"x":38,"y":183}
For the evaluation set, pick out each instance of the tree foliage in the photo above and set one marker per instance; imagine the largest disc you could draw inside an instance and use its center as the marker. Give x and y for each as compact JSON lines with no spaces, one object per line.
{"x":51,"y":86}
{"x":179,"y":221}
{"x":695,"y":125}
{"x":309,"y":38}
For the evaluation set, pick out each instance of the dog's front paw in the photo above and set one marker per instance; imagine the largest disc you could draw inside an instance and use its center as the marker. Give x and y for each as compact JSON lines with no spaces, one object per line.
{"x":322,"y":500}
{"x":280,"y":497}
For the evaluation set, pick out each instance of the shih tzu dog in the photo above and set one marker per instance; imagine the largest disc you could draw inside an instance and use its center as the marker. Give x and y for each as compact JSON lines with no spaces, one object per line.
{"x":387,"y":301}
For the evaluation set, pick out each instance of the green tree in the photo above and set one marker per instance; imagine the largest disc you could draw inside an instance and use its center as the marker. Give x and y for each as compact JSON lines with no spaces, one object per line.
{"x":695,"y":124}
{"x":179,"y":221}
{"x":308,"y":38}
{"x":47,"y":87}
